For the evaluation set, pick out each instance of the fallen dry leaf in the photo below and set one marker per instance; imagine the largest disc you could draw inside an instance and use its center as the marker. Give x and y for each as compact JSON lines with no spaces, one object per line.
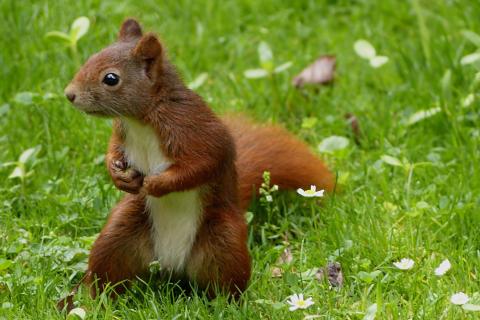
{"x":319,"y":72}
{"x":276,"y":272}
{"x":353,"y":121}
{"x":67,"y":303}
{"x":334,"y":273}
{"x":286,"y":256}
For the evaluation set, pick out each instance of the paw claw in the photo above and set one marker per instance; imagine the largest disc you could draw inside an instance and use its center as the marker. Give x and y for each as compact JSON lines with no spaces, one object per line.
{"x":121,"y":165}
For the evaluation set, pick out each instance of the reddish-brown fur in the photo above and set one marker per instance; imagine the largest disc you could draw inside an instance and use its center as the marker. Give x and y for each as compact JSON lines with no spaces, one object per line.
{"x":225,"y":159}
{"x":269,"y":148}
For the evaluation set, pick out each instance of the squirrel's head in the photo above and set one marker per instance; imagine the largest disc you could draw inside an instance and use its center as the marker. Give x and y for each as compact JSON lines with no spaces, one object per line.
{"x":121,"y":79}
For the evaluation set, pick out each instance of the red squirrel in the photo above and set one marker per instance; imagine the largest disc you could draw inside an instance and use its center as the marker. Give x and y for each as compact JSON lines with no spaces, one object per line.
{"x":188,"y":175}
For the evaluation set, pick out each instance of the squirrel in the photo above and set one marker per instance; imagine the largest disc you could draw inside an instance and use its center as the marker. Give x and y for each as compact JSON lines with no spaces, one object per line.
{"x":188,"y":174}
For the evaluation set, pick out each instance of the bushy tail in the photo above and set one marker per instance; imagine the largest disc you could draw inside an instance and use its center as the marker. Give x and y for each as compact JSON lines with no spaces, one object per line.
{"x":268,"y":148}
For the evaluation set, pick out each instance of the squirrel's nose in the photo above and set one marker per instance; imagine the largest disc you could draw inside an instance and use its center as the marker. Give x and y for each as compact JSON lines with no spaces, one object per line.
{"x":70,"y":96}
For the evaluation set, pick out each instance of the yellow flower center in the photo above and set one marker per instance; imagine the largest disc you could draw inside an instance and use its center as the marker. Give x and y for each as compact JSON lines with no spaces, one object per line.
{"x":301,"y":303}
{"x":310,"y":192}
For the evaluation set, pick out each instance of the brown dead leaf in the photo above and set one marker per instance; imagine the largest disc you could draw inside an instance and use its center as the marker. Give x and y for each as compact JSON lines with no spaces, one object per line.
{"x":353,"y":122}
{"x":67,"y":303}
{"x":276,"y":272}
{"x":334,"y":273}
{"x":322,"y":71}
{"x":286,"y":256}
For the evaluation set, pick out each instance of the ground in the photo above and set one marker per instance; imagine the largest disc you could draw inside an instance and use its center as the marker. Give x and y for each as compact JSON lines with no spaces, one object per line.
{"x":422,"y":204}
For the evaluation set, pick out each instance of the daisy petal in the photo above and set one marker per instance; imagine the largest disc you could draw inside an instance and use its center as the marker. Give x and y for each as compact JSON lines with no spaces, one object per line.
{"x":459,"y":298}
{"x":443,"y":268}
{"x":298,"y":302}
{"x":404,"y":264}
{"x":301,"y":192}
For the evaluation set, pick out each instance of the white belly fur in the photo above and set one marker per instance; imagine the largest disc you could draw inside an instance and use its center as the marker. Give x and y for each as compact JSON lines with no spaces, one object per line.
{"x":175,"y":217}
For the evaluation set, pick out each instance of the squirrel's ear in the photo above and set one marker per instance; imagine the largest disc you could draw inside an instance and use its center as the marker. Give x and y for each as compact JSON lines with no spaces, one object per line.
{"x":148,"y":47}
{"x":130,"y":30}
{"x":149,"y":50}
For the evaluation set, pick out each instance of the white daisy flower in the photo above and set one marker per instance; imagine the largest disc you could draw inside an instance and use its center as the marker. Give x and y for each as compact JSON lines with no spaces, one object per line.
{"x":404,"y":264}
{"x":297,"y":302}
{"x":312,"y":192}
{"x":459,"y":298}
{"x":443,"y":268}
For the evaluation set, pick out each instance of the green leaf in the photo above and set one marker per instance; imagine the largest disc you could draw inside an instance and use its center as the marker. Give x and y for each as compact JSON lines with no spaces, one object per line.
{"x":5,"y":264}
{"x":391,"y":160}
{"x":4,"y":108}
{"x":49,"y":96}
{"x":472,"y":37}
{"x":422,"y":115}
{"x":277,"y":305}
{"x":198,"y":81}
{"x":79,"y":28}
{"x":255,"y":73}
{"x":309,"y":123}
{"x":265,"y":55}
{"x":414,"y":213}
{"x":333,"y":144}
{"x":364,"y":49}
{"x":309,"y":273}
{"x":467,"y":101}
{"x":476,"y":80}
{"x":283,"y":67}
{"x":25,"y":98}
{"x":371,"y":312}
{"x":378,"y":61}
{"x":18,"y":172}
{"x":27,"y":154}
{"x":58,"y":35}
{"x":368,"y":277}
{"x":9,"y":164}
{"x":75,"y":255}
{"x":470,"y":58}
{"x":471,"y":307}
{"x":446,"y":81}
{"x":249,"y":217}
{"x":76,"y":313}
{"x":263,"y":301}
{"x":422,"y":205}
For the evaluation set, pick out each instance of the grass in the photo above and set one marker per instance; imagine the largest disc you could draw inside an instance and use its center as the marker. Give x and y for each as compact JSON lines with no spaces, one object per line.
{"x":50,"y":217}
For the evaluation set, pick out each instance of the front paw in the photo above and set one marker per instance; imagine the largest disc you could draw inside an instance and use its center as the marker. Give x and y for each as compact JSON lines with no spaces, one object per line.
{"x":152,"y":186}
{"x":124,"y":178}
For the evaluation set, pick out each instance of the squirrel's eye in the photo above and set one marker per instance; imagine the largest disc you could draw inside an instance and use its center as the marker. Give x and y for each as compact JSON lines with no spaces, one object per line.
{"x":111,"y":79}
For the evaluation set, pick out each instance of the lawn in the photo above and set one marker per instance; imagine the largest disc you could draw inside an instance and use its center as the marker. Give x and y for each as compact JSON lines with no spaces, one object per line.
{"x":408,"y":188}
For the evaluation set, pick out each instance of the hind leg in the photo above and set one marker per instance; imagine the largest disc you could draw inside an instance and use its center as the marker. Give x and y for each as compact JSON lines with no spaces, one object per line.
{"x":123,"y":249}
{"x":220,"y":257}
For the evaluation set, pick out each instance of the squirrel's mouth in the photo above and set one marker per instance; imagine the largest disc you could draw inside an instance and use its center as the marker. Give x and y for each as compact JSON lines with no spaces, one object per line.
{"x":90,"y":111}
